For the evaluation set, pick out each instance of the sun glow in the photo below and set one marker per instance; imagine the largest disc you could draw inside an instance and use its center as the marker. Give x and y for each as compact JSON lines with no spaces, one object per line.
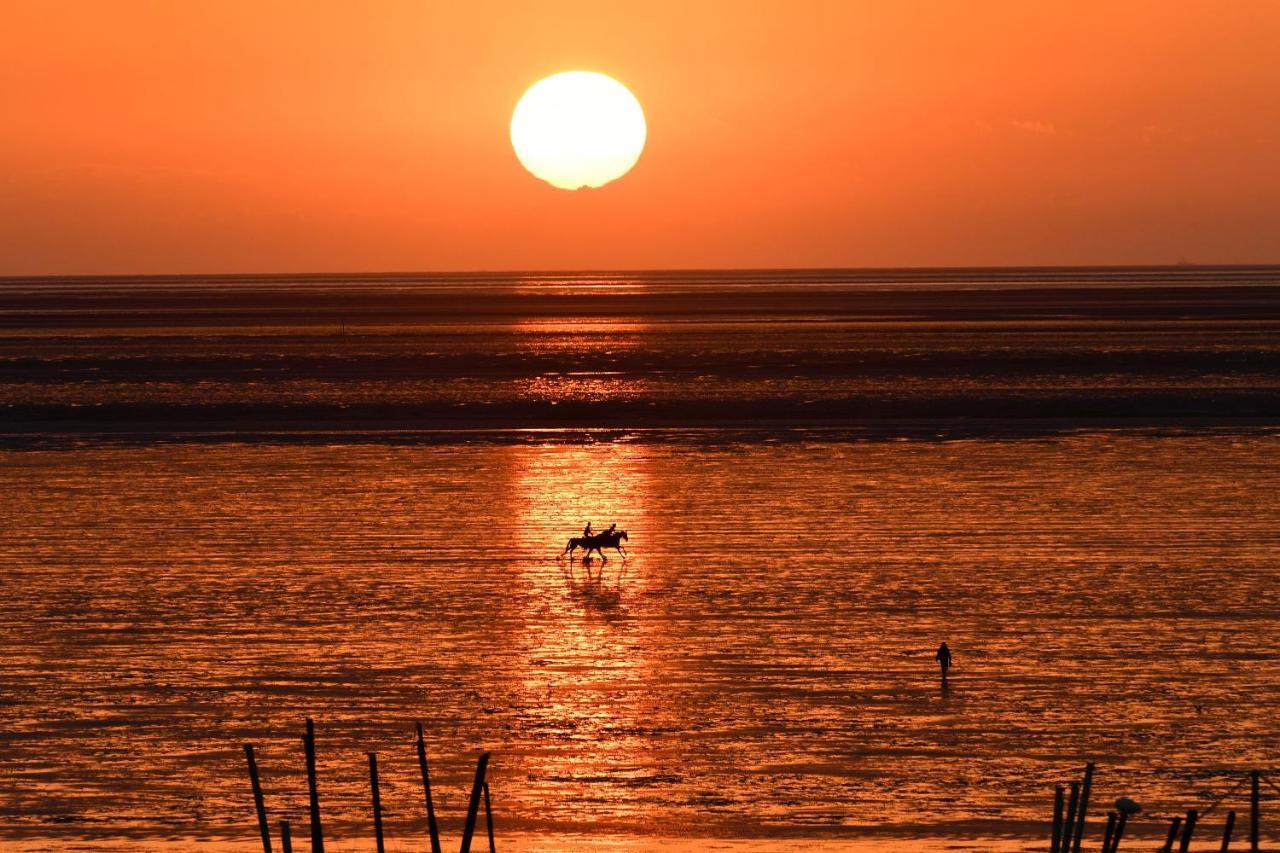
{"x":578,"y":129}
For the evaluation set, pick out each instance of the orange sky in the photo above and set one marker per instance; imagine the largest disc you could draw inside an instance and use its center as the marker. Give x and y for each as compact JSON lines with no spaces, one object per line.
{"x":227,"y":137}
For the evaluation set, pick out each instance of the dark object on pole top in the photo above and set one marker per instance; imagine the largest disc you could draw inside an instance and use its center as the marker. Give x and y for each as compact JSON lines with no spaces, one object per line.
{"x":1124,"y":805}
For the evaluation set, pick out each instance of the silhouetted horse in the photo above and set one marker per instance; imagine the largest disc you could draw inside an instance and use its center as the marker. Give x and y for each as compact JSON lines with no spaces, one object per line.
{"x":612,"y":540}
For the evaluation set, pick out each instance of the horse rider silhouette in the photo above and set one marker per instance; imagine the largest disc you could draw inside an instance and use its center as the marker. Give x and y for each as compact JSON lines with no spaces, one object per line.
{"x":611,"y":538}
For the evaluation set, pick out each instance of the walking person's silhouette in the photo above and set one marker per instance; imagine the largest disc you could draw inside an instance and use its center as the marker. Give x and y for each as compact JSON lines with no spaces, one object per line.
{"x":943,"y":657}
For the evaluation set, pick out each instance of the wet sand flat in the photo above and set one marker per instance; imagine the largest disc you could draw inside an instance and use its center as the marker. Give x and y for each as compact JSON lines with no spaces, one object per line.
{"x":760,"y":667}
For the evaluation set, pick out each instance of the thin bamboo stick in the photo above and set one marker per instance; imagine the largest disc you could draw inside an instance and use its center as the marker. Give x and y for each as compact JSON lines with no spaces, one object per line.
{"x":377,"y":802}
{"x":258,"y":804}
{"x":317,"y":831}
{"x":426,"y":792}
{"x":1056,"y":845}
{"x":1084,"y":806}
{"x":488,"y":819}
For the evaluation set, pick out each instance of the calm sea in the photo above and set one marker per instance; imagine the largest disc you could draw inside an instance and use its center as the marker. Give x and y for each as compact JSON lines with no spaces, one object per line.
{"x":227,"y":504}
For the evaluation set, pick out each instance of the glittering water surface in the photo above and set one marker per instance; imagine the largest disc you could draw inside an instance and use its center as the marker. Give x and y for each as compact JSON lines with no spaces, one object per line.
{"x":760,"y":667}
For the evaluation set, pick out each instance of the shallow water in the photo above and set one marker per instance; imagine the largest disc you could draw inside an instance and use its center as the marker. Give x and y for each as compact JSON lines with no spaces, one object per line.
{"x":760,"y":667}
{"x":625,"y":351}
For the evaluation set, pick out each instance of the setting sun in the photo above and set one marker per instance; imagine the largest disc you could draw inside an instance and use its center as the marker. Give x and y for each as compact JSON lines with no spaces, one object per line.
{"x":578,"y":129}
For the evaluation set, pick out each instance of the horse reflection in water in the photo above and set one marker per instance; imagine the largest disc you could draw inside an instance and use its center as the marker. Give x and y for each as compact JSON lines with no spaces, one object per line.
{"x":612,"y":540}
{"x":592,"y":589}
{"x":594,"y":593}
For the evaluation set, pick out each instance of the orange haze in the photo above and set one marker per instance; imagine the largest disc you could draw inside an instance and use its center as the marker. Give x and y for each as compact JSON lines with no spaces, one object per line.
{"x":238,"y":136}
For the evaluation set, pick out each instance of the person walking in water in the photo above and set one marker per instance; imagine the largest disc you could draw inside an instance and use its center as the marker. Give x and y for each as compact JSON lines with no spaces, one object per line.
{"x":943,"y":657}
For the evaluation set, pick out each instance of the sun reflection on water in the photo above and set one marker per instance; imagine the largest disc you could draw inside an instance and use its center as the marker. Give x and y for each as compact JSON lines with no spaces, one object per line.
{"x":586,"y":665}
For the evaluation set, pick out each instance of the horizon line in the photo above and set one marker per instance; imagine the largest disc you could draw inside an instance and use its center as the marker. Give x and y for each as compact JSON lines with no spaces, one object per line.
{"x":994,"y":268}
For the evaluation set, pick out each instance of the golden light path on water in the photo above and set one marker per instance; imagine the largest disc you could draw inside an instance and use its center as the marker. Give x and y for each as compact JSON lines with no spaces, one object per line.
{"x":581,"y":647}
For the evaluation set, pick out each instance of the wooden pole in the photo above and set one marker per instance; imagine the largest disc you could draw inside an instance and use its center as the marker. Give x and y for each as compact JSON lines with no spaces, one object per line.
{"x":426,"y":792}
{"x":377,"y":801}
{"x":1056,"y":845}
{"x":1084,"y":806}
{"x":1111,"y":830}
{"x":1253,"y":811}
{"x":488,"y":819}
{"x":286,"y":837}
{"x":1120,"y":825}
{"x":1227,"y":830}
{"x":1073,"y":803}
{"x":1188,"y":829}
{"x":1174,"y":826}
{"x":257,"y":799}
{"x":473,"y":808}
{"x":317,"y":831}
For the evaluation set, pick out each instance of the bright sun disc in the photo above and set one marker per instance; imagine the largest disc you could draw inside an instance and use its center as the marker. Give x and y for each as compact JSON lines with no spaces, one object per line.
{"x":578,"y":129}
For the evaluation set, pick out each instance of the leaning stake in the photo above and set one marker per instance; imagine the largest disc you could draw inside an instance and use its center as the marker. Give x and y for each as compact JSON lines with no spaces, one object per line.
{"x":1072,"y":804}
{"x":488,"y":819}
{"x":426,"y":792}
{"x":377,"y":801}
{"x":1174,"y":824}
{"x":286,"y":837}
{"x":1188,"y":829}
{"x":1226,"y":831}
{"x":317,"y":831}
{"x":1084,"y":806}
{"x":1120,"y":824}
{"x":1111,"y":830}
{"x":473,"y":808}
{"x":257,"y":799}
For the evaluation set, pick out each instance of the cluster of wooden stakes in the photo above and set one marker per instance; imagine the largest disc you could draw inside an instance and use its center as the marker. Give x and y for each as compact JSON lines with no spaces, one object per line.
{"x":479,"y":793}
{"x":1069,"y":814}
{"x":1068,"y":811}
